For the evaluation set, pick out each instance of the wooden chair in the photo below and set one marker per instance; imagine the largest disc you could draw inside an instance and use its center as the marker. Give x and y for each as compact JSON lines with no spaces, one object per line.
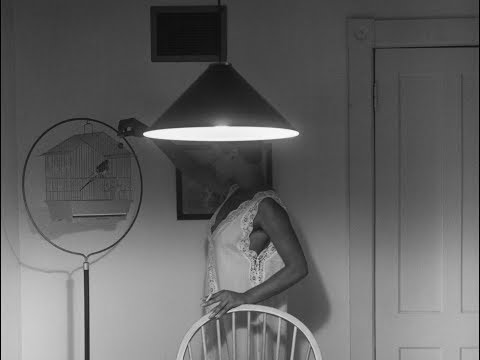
{"x":186,"y":346}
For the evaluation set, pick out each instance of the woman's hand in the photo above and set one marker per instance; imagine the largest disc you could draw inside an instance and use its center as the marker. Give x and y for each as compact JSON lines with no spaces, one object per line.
{"x":227,"y":300}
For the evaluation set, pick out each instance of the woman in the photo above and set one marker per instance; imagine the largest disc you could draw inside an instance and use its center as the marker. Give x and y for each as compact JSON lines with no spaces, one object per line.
{"x":253,"y":252}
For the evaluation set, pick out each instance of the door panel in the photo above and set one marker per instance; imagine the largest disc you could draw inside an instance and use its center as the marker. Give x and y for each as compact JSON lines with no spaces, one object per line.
{"x":426,"y":190}
{"x":470,"y":195}
{"x":420,"y":195}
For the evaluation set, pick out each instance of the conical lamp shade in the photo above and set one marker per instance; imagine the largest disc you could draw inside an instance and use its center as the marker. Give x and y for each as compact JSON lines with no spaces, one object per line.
{"x":221,"y":106}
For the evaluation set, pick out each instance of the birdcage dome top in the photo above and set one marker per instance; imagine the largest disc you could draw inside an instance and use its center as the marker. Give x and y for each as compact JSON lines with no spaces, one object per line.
{"x":100,"y":142}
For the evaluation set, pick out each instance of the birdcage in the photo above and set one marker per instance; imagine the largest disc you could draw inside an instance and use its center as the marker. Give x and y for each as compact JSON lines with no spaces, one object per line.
{"x":88,"y":175}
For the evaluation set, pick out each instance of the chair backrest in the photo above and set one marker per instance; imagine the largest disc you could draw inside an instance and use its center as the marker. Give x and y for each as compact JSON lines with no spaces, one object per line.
{"x":281,"y":316}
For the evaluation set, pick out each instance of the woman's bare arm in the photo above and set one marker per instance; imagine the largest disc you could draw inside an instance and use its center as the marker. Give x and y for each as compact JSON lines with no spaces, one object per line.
{"x":274,"y":221}
{"x":203,"y":173}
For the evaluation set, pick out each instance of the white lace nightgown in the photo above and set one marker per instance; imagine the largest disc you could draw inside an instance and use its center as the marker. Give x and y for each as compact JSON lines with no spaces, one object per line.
{"x":233,"y":266}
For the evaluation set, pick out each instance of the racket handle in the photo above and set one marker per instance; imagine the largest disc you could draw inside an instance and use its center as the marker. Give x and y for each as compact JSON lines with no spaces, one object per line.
{"x":86,"y":304}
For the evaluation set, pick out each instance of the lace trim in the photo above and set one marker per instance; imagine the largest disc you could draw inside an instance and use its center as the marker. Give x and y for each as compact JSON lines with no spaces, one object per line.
{"x":211,"y":274}
{"x":213,"y":219}
{"x":257,"y":261}
{"x":211,"y":266}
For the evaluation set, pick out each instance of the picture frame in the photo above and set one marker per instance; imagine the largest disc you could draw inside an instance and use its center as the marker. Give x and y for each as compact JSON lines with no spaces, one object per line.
{"x":196,"y":201}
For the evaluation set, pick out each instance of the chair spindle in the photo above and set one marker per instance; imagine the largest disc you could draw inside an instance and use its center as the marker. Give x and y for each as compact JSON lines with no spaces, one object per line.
{"x":204,"y":343}
{"x":248,"y":334}
{"x":278,"y":338}
{"x":264,"y":336}
{"x":308,"y":352}
{"x":294,"y":339}
{"x":234,"y":337}
{"x":219,"y":340}
{"x":190,"y":352}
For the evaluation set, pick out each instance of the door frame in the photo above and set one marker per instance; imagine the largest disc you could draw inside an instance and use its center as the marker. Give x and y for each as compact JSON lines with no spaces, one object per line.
{"x":364,"y":36}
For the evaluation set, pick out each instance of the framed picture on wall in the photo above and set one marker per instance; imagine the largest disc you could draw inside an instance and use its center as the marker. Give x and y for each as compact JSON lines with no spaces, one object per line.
{"x":196,"y":201}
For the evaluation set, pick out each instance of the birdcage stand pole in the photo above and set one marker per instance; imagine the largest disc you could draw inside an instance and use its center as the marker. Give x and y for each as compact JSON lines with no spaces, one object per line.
{"x":86,"y":305}
{"x":100,"y":170}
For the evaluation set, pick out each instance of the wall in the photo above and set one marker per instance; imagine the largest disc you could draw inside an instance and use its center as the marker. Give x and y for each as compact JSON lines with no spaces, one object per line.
{"x":10,"y":278}
{"x":91,"y":58}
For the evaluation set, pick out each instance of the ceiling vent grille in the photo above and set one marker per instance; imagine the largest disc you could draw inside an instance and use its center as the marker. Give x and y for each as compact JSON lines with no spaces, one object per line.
{"x":188,"y":33}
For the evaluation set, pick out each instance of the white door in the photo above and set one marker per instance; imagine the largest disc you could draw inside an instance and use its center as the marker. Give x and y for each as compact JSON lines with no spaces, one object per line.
{"x":426,"y":197}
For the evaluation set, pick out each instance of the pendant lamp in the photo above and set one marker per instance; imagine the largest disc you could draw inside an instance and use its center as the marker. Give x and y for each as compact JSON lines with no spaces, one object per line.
{"x":221,"y":106}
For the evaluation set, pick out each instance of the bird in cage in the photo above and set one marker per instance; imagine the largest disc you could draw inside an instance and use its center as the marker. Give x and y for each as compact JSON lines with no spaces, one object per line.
{"x":100,"y":171}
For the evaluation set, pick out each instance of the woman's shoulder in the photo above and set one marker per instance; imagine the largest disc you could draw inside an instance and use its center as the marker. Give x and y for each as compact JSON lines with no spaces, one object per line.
{"x":268,"y":198}
{"x":270,"y":209}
